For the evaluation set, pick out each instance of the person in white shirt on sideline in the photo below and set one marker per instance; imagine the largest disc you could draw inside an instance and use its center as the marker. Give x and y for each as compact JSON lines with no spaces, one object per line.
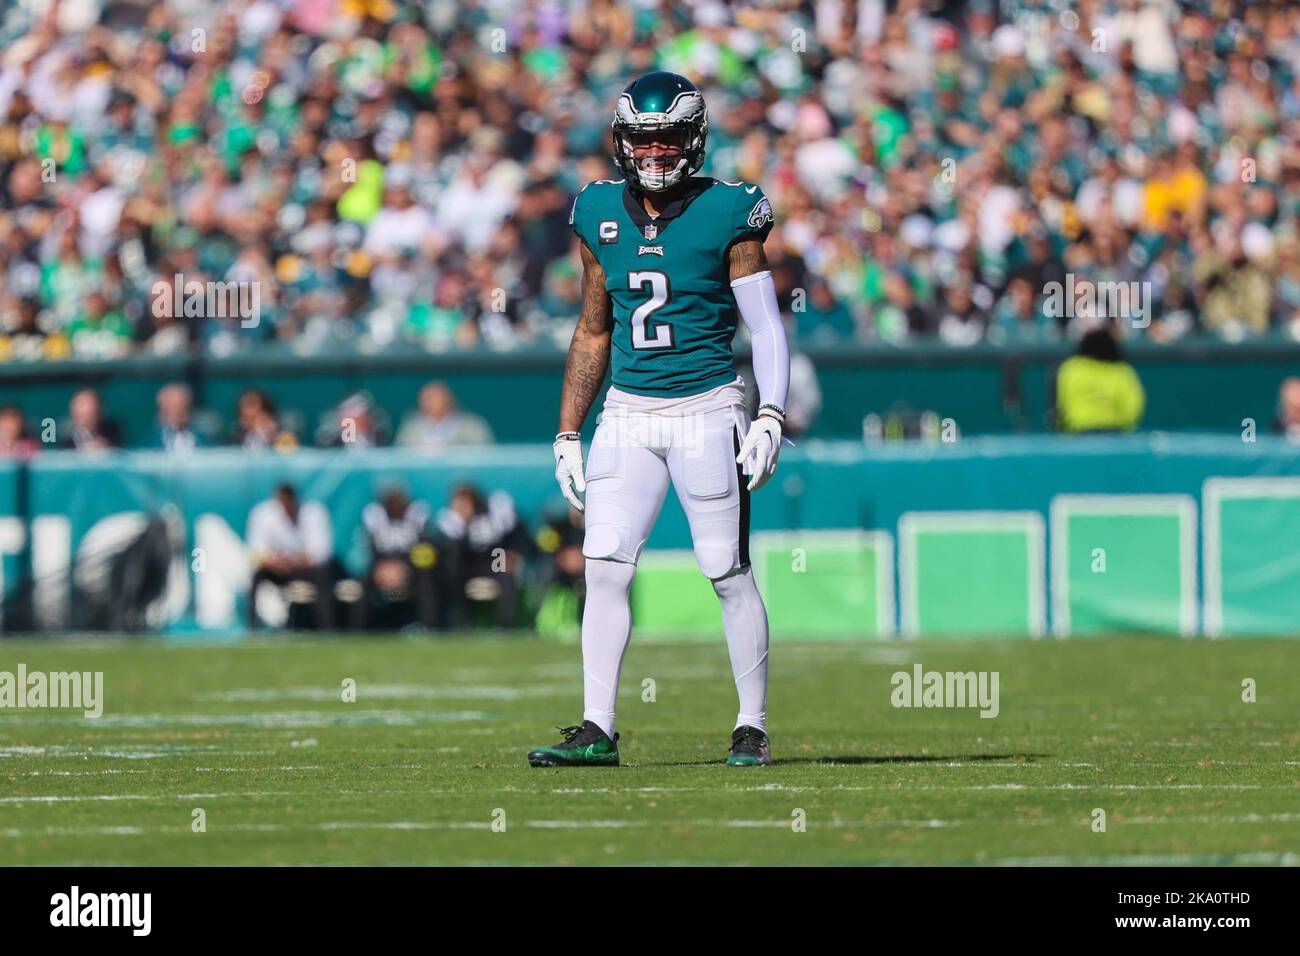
{"x":293,"y":542}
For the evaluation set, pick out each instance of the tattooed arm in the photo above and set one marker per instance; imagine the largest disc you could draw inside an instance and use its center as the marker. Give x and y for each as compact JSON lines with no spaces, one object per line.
{"x":745,"y":258}
{"x":588,"y":360}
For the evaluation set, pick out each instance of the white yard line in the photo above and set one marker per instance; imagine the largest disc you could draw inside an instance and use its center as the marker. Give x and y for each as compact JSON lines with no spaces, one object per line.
{"x":126,"y":751}
{"x":737,"y":824}
{"x":274,"y":719}
{"x":179,"y":829}
{"x":1151,"y":859}
{"x":904,"y":787}
{"x":149,"y":796}
{"x":368,"y":692}
{"x":760,"y":788}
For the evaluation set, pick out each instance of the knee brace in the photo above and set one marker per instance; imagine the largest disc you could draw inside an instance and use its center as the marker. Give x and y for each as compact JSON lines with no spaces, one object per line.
{"x":604,"y":542}
{"x":716,"y":559}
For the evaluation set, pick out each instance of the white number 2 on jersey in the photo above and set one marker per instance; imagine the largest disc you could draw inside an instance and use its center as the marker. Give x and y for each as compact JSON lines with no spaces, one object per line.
{"x":658,"y":283}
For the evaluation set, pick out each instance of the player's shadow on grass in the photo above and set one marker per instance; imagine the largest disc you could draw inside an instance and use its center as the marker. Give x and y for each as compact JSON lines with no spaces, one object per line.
{"x":852,"y":759}
{"x":912,"y":758}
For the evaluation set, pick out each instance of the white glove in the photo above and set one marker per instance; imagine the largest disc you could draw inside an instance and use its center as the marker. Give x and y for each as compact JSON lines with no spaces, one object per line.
{"x":761,"y":449}
{"x":568,"y":467}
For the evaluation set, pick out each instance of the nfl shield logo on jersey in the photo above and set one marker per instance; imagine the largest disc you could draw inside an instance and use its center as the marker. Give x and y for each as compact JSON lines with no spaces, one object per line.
{"x":651,"y":231}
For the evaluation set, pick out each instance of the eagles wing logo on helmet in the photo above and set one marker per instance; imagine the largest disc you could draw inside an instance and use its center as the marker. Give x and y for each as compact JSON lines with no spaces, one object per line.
{"x":660,"y":102}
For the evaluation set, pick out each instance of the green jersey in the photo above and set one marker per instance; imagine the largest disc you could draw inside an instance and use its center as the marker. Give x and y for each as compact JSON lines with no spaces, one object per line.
{"x":668,"y":281}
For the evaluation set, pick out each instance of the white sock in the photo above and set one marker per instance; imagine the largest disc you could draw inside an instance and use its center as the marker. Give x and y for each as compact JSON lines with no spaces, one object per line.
{"x":606,"y":627}
{"x":744,"y":620}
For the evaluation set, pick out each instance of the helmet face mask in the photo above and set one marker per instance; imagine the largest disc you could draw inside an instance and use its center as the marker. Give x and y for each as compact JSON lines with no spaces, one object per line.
{"x":661,"y":109}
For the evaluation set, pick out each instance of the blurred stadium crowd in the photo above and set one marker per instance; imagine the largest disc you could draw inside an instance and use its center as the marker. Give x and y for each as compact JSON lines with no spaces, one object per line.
{"x":393,"y":173}
{"x":357,"y":423}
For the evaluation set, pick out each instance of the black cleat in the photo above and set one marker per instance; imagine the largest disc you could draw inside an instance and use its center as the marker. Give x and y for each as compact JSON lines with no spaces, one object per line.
{"x":584,"y":746}
{"x":749,"y":748}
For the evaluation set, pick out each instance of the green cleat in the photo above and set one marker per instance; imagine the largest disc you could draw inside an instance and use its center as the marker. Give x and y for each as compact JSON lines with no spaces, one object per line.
{"x":584,"y":746}
{"x":749,"y":748}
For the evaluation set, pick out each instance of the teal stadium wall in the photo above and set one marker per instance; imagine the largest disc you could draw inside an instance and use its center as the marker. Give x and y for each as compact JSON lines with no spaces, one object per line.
{"x":1161,"y":533}
{"x":1206,"y":387}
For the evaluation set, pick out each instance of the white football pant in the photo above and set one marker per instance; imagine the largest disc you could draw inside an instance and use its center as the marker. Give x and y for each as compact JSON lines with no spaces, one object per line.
{"x":640,"y":445}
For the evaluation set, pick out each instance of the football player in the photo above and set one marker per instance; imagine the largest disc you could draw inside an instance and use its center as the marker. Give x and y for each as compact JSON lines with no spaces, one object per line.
{"x":669,"y":259}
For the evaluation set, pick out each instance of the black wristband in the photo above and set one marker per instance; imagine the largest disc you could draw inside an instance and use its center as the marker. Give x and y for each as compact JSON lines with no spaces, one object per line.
{"x":569,"y":436}
{"x":772,"y":411}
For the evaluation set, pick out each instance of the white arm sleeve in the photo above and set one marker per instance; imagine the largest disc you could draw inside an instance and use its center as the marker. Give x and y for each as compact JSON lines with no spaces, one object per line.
{"x":756,"y":298}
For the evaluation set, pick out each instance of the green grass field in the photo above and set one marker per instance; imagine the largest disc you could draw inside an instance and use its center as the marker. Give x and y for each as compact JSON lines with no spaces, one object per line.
{"x":431,"y":754}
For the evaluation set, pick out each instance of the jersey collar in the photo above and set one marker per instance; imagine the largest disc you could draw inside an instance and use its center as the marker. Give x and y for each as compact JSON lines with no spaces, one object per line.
{"x":632,"y":203}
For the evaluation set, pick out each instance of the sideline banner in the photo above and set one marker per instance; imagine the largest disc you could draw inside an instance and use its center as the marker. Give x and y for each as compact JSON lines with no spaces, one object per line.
{"x":1174,"y":534}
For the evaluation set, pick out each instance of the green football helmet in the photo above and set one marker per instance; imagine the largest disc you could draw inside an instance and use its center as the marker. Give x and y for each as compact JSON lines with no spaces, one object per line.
{"x":656,"y":103}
